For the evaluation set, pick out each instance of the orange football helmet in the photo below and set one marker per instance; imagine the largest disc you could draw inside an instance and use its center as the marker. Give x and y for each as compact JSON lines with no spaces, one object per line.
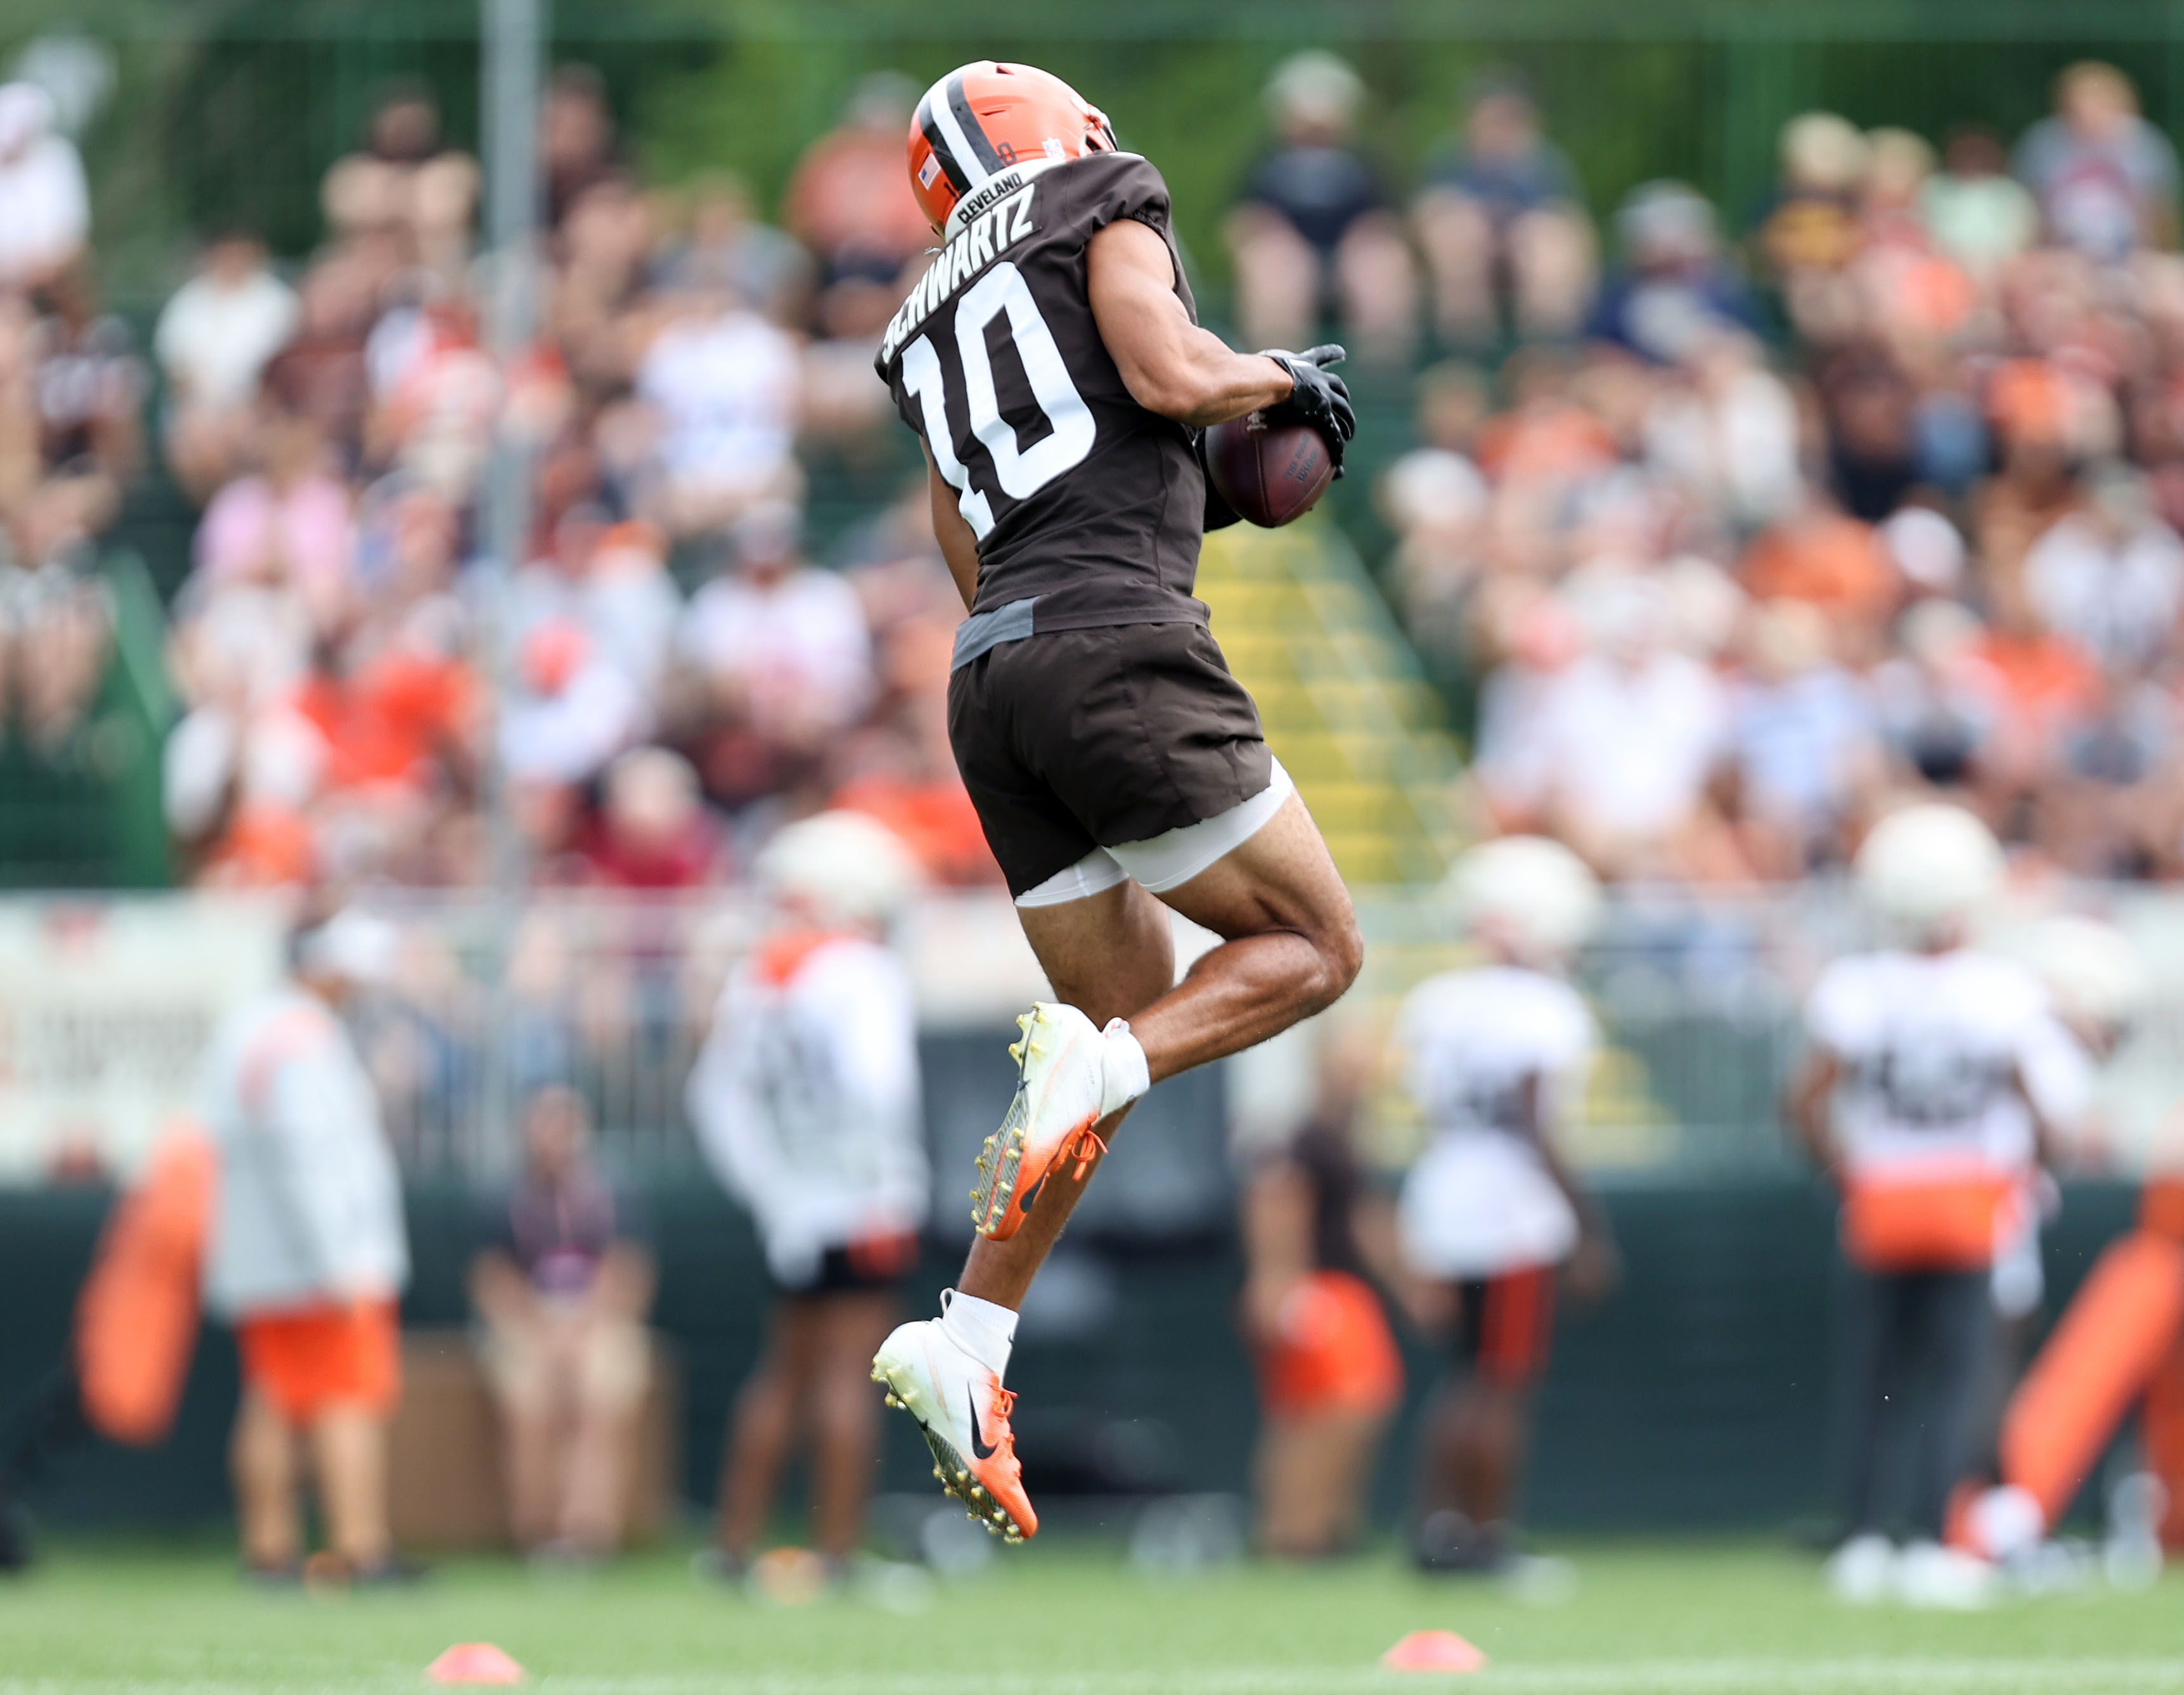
{"x":982,"y":117}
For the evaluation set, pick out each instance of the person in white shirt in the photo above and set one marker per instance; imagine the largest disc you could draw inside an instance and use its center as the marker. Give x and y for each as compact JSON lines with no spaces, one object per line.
{"x":1919,"y":1097}
{"x":45,"y":206}
{"x":1630,"y":736}
{"x":806,"y":1100}
{"x":215,"y":339}
{"x":2110,"y":574}
{"x":781,"y":657}
{"x":309,"y":1253}
{"x":1493,"y":1059}
{"x":724,"y":389}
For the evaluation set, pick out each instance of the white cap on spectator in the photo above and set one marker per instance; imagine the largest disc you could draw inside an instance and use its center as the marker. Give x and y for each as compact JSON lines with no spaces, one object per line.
{"x":1822,"y":151}
{"x":1435,"y":488}
{"x":1315,"y":87}
{"x":844,"y":866}
{"x":1926,"y":549}
{"x":1665,"y":220}
{"x":1531,"y":895}
{"x":1929,"y":867}
{"x":353,"y":946}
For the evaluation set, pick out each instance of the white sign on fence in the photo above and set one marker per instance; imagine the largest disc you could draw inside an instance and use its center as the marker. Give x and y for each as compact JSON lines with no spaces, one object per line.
{"x":105,"y":1009}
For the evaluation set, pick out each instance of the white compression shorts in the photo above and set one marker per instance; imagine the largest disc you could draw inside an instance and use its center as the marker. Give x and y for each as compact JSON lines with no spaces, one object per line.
{"x":1167,"y":861}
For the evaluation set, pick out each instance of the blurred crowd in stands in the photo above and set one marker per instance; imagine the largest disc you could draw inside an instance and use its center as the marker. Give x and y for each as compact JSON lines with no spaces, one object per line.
{"x":1721,"y":531}
{"x":1751,"y":537}
{"x":678,"y":676}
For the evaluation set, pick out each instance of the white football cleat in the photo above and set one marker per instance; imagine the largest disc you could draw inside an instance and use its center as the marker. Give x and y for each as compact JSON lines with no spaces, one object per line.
{"x":1070,"y":1074}
{"x":963,"y":1411}
{"x":1862,"y":1570}
{"x":1944,"y":1579}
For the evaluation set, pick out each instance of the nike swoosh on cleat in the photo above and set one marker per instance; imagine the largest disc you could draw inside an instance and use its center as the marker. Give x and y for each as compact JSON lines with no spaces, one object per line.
{"x":978,"y":1448}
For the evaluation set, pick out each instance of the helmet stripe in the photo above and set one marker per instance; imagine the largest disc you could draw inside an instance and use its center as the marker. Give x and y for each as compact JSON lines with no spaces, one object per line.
{"x":974,"y":132}
{"x":965,"y":168}
{"x":938,"y":143}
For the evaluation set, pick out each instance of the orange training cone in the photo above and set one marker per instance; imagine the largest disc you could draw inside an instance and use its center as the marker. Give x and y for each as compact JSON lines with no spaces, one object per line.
{"x":1433,"y":1650}
{"x":474,"y":1662}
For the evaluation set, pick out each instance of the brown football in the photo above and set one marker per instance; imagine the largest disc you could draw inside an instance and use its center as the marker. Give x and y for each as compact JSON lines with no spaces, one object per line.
{"x":1271,"y":474}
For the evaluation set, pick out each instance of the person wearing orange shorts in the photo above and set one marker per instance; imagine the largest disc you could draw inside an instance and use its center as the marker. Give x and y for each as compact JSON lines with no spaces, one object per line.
{"x":1330,"y":1376}
{"x":307,"y":1257}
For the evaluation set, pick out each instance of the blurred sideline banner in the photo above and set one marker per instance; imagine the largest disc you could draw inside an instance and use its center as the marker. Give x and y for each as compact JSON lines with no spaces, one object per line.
{"x":105,"y":1009}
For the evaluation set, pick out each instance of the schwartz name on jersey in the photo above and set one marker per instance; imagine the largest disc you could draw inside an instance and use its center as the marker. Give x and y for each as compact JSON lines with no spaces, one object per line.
{"x":1087,"y":509}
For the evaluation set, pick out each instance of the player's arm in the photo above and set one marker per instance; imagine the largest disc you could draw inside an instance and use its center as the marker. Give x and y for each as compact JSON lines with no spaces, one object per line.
{"x":1169,"y":364}
{"x":1595,"y":1266}
{"x":958,"y":546}
{"x":1806,"y":1109}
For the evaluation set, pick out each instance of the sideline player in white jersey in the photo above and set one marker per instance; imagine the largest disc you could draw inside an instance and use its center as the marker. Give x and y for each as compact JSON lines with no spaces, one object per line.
{"x":1493,"y":1058}
{"x":1919,"y":1098}
{"x":806,"y":1100}
{"x":1051,"y":360}
{"x":309,"y":1256}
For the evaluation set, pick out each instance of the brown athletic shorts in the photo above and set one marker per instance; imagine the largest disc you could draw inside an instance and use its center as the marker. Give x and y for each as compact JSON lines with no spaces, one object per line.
{"x":1076,"y":739}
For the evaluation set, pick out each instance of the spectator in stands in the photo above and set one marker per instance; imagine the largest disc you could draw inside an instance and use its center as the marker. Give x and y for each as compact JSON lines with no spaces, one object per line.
{"x":1631,"y":737}
{"x":1978,"y":214}
{"x":578,"y":146}
{"x":2105,"y":178}
{"x":89,"y":384}
{"x":216,"y":335}
{"x":1501,"y":222}
{"x":1673,"y":287}
{"x":721,"y":384}
{"x":2110,"y":575}
{"x":806,"y":1101}
{"x":563,"y":1286}
{"x":576,"y":709}
{"x":1812,"y":233}
{"x":1314,"y":232}
{"x":287,"y":523}
{"x":725,"y":242}
{"x":404,"y":186}
{"x":779,"y":660}
{"x":850,"y":202}
{"x":45,"y":207}
{"x":1806,"y":748}
{"x":309,"y":1256}
{"x":652,"y":833}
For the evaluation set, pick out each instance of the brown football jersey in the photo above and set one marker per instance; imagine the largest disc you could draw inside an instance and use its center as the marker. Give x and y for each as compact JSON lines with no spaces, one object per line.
{"x":1083,"y":503}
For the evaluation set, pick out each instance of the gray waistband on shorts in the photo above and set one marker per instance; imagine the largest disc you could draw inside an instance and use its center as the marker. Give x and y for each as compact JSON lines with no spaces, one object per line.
{"x":982,"y":631}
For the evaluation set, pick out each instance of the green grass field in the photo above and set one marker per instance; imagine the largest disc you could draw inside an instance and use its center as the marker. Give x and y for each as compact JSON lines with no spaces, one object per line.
{"x":1057,"y":1619}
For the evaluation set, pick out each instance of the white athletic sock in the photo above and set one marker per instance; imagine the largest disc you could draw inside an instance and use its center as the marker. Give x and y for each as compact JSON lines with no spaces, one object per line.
{"x":1124,"y":1073}
{"x":984,"y":1329}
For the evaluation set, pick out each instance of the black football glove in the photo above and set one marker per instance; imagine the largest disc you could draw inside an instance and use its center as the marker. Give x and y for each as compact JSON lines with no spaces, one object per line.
{"x":1319,"y":399}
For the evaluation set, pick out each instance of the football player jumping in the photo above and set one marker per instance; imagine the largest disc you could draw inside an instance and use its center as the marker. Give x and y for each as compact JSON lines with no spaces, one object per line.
{"x":1051,"y":360}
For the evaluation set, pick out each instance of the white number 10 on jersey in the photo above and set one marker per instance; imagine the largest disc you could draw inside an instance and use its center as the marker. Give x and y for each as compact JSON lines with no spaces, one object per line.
{"x":1020,"y":473}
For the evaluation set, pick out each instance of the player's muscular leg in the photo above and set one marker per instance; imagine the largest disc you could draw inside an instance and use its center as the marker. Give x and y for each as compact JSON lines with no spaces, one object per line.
{"x":1290,"y":946}
{"x":1107,"y":955}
